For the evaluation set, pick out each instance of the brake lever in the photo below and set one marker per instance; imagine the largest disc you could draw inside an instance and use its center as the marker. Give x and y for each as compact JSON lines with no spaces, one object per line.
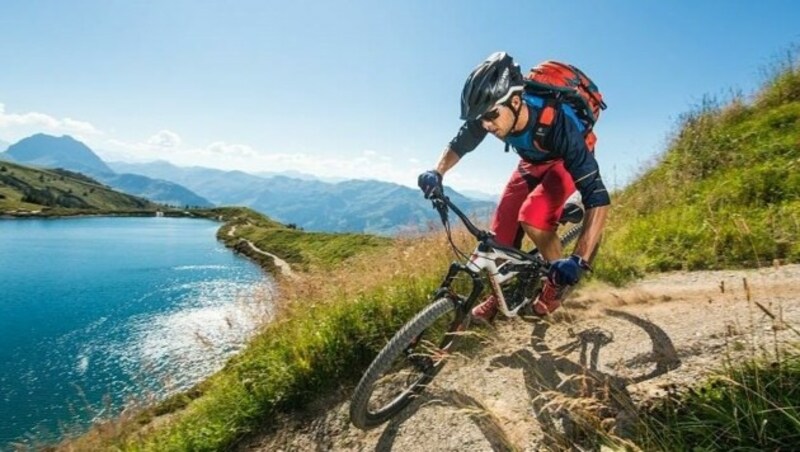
{"x":441,"y":207}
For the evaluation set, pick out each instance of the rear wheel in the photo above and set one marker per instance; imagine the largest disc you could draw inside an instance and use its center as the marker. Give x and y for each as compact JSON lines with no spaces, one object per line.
{"x":407,"y":364}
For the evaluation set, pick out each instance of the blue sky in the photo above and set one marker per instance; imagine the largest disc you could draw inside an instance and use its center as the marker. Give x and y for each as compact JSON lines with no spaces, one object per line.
{"x":361,"y":89}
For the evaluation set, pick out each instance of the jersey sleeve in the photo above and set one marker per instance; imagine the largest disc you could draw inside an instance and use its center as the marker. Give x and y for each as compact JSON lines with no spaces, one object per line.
{"x":468,"y":138}
{"x":568,"y":142}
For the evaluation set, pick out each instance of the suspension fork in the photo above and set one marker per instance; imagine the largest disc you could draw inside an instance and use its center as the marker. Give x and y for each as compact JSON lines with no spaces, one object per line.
{"x":461,"y":305}
{"x":445,"y":289}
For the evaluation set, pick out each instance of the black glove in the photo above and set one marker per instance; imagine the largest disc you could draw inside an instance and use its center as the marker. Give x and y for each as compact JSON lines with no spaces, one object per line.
{"x":429,"y":181}
{"x":567,"y":272}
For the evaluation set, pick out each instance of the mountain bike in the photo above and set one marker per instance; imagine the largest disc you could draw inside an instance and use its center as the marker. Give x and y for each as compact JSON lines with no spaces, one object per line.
{"x":417,"y":352}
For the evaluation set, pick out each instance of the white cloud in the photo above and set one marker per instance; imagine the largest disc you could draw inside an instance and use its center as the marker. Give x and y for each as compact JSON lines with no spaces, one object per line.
{"x":218,"y":154}
{"x":369,"y":164}
{"x":19,"y":125}
{"x":165,"y":139}
{"x":78,"y":127}
{"x":231,"y":150}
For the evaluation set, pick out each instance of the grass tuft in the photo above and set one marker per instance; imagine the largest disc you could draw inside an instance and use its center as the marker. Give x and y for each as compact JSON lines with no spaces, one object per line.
{"x":725,"y":194}
{"x":755,"y":406}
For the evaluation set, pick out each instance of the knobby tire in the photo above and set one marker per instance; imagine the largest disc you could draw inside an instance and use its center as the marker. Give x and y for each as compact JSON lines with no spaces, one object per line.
{"x":361,"y":415}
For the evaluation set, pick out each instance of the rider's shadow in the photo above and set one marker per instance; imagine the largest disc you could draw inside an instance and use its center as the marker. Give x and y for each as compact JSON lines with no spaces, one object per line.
{"x":563,"y":391}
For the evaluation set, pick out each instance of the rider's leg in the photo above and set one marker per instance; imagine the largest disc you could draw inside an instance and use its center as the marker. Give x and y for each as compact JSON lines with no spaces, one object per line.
{"x":542,"y":208}
{"x":506,"y":228}
{"x":539,"y":216}
{"x":504,"y":222}
{"x":547,"y":241}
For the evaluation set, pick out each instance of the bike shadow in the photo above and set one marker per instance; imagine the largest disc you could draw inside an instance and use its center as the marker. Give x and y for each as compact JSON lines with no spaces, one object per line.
{"x":564,"y":393}
{"x":550,"y":374}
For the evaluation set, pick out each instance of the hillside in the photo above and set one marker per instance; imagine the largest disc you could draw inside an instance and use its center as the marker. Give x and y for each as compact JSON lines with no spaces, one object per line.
{"x":26,"y":189}
{"x":46,"y":151}
{"x":220,"y":187}
{"x":726,"y":193}
{"x":161,"y":191}
{"x":246,"y":230}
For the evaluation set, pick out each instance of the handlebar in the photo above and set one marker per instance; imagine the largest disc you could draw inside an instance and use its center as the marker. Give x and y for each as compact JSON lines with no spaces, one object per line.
{"x":441,"y":203}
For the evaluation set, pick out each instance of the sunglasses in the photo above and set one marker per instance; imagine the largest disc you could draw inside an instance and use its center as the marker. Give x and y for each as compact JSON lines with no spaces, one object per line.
{"x":490,"y":115}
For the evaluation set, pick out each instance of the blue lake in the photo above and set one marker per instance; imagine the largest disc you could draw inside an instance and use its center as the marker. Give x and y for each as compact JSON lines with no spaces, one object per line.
{"x":96,"y":313}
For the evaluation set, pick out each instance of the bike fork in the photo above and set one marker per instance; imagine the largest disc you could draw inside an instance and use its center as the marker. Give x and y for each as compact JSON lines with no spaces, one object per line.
{"x":445,"y":289}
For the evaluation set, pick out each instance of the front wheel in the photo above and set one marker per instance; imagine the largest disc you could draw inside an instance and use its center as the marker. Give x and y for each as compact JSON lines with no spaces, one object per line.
{"x":407,"y":364}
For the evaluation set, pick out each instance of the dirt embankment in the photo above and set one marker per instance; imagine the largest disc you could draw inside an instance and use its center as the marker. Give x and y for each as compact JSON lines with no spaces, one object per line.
{"x":606,"y":351}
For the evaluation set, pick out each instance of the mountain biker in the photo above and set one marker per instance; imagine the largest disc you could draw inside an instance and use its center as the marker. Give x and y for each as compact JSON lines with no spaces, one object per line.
{"x":494,"y":101}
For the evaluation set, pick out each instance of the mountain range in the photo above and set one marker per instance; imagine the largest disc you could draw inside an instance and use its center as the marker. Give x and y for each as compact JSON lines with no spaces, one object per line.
{"x":46,"y":151}
{"x":349,"y":206}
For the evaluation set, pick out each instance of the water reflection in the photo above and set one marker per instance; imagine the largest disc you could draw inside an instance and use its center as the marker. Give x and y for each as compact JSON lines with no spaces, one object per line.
{"x":98,"y":312}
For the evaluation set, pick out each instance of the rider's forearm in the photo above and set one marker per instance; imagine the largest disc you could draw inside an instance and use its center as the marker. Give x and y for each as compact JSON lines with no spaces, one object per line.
{"x":592,"y":230}
{"x":448,"y":160}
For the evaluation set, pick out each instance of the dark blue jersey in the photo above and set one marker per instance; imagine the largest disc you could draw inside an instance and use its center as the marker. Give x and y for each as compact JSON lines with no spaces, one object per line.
{"x":564,"y":141}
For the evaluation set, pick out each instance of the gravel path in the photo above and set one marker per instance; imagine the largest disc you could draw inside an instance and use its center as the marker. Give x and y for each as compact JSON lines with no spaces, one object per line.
{"x":286,"y":269}
{"x":614,"y":347}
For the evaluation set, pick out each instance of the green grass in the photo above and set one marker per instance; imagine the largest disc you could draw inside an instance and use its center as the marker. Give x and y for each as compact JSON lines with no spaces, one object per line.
{"x":725,"y":194}
{"x":319,"y":249}
{"x":755,"y":406}
{"x":303,"y":250}
{"x":25,"y":189}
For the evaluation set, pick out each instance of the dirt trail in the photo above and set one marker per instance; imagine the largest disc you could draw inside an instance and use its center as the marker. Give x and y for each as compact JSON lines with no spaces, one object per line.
{"x":286,"y":269}
{"x":621,"y":346}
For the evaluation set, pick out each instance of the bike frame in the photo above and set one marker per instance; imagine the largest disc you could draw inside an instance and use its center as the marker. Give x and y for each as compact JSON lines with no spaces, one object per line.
{"x":484,"y":261}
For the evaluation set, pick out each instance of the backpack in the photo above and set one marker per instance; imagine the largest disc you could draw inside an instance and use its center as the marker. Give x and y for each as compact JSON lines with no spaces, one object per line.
{"x":561,"y":82}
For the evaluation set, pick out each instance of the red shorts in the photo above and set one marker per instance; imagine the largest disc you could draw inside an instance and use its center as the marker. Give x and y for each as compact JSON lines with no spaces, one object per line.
{"x":535,"y":194}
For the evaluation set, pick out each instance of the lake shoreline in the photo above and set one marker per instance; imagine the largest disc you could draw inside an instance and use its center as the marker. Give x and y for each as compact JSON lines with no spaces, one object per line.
{"x":47,"y":214}
{"x":263,"y":260}
{"x":270,"y":264}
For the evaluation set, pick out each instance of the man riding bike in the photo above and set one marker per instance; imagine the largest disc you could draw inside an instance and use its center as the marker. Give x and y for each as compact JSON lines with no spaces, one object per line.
{"x":554,"y":161}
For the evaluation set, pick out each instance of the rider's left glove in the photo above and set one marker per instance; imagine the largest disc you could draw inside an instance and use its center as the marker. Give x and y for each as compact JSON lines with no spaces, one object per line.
{"x":429,"y":181}
{"x":567,"y":272}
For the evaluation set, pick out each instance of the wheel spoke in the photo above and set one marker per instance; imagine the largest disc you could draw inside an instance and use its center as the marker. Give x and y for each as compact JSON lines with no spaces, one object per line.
{"x":407,"y":364}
